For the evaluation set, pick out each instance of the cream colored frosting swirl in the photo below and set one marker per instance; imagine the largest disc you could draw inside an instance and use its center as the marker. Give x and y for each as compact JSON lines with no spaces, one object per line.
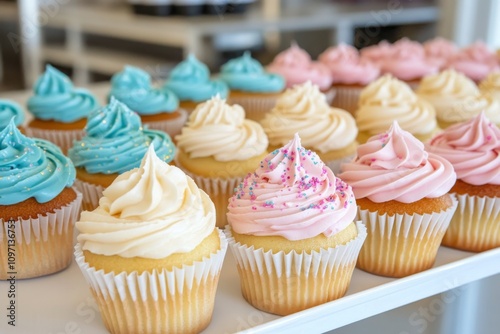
{"x":152,"y":212}
{"x":491,"y":85}
{"x":389,"y":99}
{"x":221,"y":130}
{"x":303,"y":109}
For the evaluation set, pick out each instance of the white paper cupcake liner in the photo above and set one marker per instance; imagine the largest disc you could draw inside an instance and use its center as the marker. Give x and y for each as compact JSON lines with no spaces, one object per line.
{"x":172,"y":126}
{"x":180,"y":300}
{"x":255,"y":106}
{"x":347,"y":98}
{"x":335,"y":165}
{"x":62,"y":138}
{"x":401,"y":245}
{"x":475,"y":225}
{"x":283,"y":283}
{"x":91,"y":194}
{"x":43,"y":244}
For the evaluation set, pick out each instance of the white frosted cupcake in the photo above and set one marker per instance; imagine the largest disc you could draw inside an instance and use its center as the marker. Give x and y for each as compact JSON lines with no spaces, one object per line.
{"x":491,"y":85}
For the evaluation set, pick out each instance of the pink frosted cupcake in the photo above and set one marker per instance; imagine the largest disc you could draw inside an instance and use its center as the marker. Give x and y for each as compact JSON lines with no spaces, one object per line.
{"x":296,"y":66}
{"x":473,"y":148}
{"x":376,"y":53}
{"x":350,"y":74}
{"x":439,"y":51}
{"x":475,"y":61}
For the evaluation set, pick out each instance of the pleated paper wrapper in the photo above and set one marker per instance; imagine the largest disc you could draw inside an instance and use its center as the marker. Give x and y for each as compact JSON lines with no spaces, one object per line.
{"x":476,"y":224}
{"x":91,"y":194}
{"x":43,"y":245}
{"x":176,"y":301}
{"x":172,"y":126}
{"x":255,"y":106}
{"x":401,"y":245}
{"x":347,"y":98}
{"x":62,"y":138}
{"x":282,"y":283}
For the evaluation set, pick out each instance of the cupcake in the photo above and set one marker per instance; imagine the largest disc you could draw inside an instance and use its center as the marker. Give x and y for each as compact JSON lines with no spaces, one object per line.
{"x":402,"y":196}
{"x":151,"y":253}
{"x":158,"y":109}
{"x":190,"y":81}
{"x":473,"y":148}
{"x":218,"y":147}
{"x":251,"y":86}
{"x":329,"y":131}
{"x":491,"y":85}
{"x":8,"y":110}
{"x":296,"y":66}
{"x":439,"y":51}
{"x":292,"y":232}
{"x":114,"y":143}
{"x":456,"y":98}
{"x":60,"y":111}
{"x":475,"y":61}
{"x":349,"y":73}
{"x":387,"y":100}
{"x":376,"y":53}
{"x":38,"y":206}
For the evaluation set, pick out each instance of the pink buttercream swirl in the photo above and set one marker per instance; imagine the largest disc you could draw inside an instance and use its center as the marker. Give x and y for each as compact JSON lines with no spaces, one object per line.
{"x":292,"y":194}
{"x":347,"y":67}
{"x":395,"y":166}
{"x":475,"y":61}
{"x":296,"y":66}
{"x":473,"y":148}
{"x":377,"y":53}
{"x":439,"y":51}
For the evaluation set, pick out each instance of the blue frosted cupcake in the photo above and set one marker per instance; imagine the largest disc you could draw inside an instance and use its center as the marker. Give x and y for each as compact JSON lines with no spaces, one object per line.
{"x":59,"y":110}
{"x":190,"y":81}
{"x":8,"y":110}
{"x":115,"y":142}
{"x":158,"y":108}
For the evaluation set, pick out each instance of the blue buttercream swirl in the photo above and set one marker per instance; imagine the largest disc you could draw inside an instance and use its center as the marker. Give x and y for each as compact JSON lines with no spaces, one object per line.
{"x":31,"y":168}
{"x":9,"y":109}
{"x":56,"y":99}
{"x":190,"y":81}
{"x":247,"y":74}
{"x":115,"y":141}
{"x":132,"y":86}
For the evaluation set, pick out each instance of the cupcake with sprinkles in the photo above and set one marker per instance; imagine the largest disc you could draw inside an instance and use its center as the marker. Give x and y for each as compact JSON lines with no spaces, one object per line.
{"x":292,"y":232}
{"x":8,"y":110}
{"x":115,"y":142}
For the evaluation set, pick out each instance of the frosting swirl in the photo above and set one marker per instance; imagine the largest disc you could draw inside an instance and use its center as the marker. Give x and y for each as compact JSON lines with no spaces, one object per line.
{"x":152,"y":212}
{"x":56,"y":99}
{"x":115,"y":141}
{"x":388,"y":99}
{"x":376,"y":53}
{"x":473,"y":148}
{"x":9,"y":110}
{"x":303,"y":109}
{"x":439,"y":50}
{"x":220,"y":130}
{"x":347,"y":67}
{"x":31,"y":168}
{"x":292,"y":194}
{"x":296,"y":66}
{"x":491,"y":85}
{"x":394,"y":166}
{"x":248,"y":75}
{"x":475,"y":61}
{"x":132,"y":86}
{"x":190,"y":80}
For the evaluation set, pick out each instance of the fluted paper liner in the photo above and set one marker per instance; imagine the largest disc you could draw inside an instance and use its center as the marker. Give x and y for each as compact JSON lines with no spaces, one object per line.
{"x":347,"y":98}
{"x":91,"y":194}
{"x":282,"y":283}
{"x":171,"y":126}
{"x":176,"y":301}
{"x":401,"y":245}
{"x":43,"y":245}
{"x":476,"y":224}
{"x":62,"y":138}
{"x":255,"y":106}
{"x":335,"y":165}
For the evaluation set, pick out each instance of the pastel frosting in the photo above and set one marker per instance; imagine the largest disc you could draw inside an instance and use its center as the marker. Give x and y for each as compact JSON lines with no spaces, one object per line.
{"x":303,"y":109}
{"x":388,"y":99}
{"x":476,"y":61}
{"x":473,"y":148}
{"x":394,"y":166}
{"x":247,"y":74}
{"x":56,"y":99}
{"x":115,"y":141}
{"x":190,"y":81}
{"x":439,"y":50}
{"x":31,"y":168}
{"x":132,"y":86}
{"x":296,"y":66}
{"x":376,"y":53}
{"x":291,"y":194}
{"x":221,"y":131}
{"x":491,"y":85}
{"x":151,"y":212}
{"x":347,"y":67}
{"x":8,"y":110}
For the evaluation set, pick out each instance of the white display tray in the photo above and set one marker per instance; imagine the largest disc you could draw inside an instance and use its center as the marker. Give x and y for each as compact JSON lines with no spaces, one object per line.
{"x":62,"y":302}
